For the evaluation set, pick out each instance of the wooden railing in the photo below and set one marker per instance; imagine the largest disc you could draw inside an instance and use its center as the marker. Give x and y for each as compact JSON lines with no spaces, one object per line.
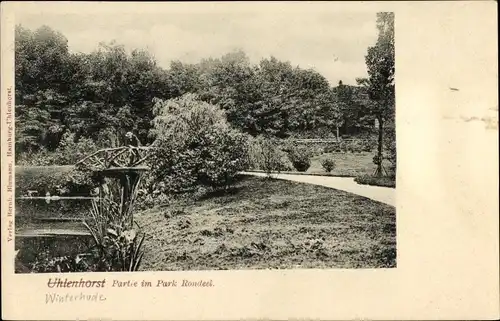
{"x":125,"y":156}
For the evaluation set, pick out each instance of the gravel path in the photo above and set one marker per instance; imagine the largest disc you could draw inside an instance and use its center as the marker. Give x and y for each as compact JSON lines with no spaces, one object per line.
{"x":385,"y":195}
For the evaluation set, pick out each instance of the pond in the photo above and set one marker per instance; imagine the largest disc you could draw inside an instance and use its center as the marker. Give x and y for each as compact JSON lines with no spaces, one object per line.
{"x":51,"y":227}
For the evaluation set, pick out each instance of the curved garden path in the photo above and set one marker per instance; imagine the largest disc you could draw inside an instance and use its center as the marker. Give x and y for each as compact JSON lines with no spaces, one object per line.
{"x":385,"y":195}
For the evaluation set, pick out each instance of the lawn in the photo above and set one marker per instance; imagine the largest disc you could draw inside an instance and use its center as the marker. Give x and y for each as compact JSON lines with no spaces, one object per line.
{"x":265,"y":223}
{"x":347,"y":164}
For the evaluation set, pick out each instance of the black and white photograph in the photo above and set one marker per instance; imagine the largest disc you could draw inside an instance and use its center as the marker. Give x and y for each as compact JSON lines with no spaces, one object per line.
{"x":222,"y":140}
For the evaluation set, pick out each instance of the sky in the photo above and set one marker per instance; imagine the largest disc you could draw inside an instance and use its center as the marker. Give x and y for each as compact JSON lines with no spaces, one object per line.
{"x":329,"y":42}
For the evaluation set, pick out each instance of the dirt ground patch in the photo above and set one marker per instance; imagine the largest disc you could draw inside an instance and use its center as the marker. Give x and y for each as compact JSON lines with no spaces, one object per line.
{"x":271,"y":224}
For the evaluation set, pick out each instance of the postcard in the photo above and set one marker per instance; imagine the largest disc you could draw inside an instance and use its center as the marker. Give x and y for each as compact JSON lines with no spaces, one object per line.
{"x":249,"y":160}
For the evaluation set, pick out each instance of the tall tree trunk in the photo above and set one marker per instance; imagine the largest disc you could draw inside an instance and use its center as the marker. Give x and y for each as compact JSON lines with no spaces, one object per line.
{"x":380,"y":145}
{"x":338,"y":136}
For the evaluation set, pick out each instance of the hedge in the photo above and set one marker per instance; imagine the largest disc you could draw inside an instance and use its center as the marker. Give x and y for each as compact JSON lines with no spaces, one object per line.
{"x":384,"y":181}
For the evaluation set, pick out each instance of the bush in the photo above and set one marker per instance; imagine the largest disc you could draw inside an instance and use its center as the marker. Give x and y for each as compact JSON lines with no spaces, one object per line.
{"x":300,"y":158}
{"x":147,"y":201}
{"x":367,"y":145}
{"x":68,"y":152}
{"x":71,"y":150}
{"x":47,"y":263}
{"x":351,"y":146}
{"x":385,"y":181}
{"x":356,"y":146}
{"x":40,"y":158}
{"x":223,"y":155}
{"x":328,"y":164}
{"x":195,"y":146}
{"x":266,"y":155}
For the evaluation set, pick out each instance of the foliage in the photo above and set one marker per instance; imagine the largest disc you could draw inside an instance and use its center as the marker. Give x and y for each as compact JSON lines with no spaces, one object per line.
{"x":103,"y":94}
{"x":41,"y":157}
{"x":195,"y":145}
{"x":300,"y":157}
{"x":118,"y":244}
{"x":99,"y":95}
{"x":46,"y":263}
{"x":157,"y":198}
{"x":267,"y":156}
{"x":71,"y":151}
{"x":385,"y":181}
{"x":57,"y":180}
{"x":380,"y":63}
{"x":42,"y":80}
{"x":224,"y":155}
{"x":380,"y":83}
{"x":328,"y":164}
{"x":351,"y":101}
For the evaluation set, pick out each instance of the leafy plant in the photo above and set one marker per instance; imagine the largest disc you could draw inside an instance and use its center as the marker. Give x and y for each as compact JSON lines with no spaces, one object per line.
{"x":118,"y":244}
{"x":195,"y":146}
{"x":45,"y":263}
{"x":267,"y":156}
{"x":385,"y":181}
{"x":328,"y":164}
{"x":380,"y":83}
{"x":71,"y":150}
{"x":300,"y":158}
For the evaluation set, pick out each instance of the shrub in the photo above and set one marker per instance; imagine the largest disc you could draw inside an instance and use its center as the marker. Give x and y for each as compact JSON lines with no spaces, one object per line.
{"x":385,"y":181}
{"x":266,"y":155}
{"x":195,"y":146}
{"x":342,"y":147}
{"x":300,"y":158}
{"x":328,"y":164}
{"x":40,"y":158}
{"x":329,"y":149}
{"x":119,"y":244}
{"x":356,"y":146}
{"x":222,"y":157}
{"x":367,"y":145}
{"x":46,"y":263}
{"x":71,"y":150}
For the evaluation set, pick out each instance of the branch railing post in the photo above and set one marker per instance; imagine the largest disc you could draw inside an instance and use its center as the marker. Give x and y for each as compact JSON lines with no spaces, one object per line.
{"x":126,"y":173}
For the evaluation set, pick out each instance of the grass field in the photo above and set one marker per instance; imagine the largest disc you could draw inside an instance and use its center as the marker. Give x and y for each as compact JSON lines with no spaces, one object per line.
{"x":347,"y":164}
{"x":266,"y":223}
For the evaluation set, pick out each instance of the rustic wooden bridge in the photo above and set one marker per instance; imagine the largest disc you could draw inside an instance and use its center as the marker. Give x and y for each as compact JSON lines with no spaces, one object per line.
{"x":119,"y":157}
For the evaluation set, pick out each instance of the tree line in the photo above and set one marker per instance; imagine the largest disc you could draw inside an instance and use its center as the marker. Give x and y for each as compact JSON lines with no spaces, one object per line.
{"x":99,"y":96}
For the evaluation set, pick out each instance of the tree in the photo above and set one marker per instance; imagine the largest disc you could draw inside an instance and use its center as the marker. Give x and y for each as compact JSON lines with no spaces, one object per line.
{"x":115,"y":93}
{"x":380,"y":81}
{"x":230,"y":83}
{"x":42,"y":82}
{"x":291,"y":99}
{"x":195,"y":145}
{"x":182,"y":78}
